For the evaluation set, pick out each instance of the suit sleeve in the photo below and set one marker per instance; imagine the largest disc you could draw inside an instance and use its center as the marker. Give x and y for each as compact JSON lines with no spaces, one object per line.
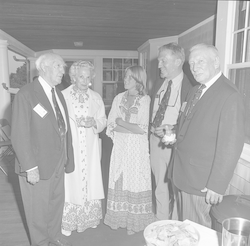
{"x":20,"y":132}
{"x":229,"y":143}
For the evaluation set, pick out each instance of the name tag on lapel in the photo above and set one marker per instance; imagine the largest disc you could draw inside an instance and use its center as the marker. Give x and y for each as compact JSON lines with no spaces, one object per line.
{"x":40,"y":110}
{"x":183,"y":106}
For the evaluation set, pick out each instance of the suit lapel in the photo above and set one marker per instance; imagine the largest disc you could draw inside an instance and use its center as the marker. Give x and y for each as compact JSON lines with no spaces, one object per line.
{"x":43,"y":99}
{"x":183,"y":115}
{"x":207,"y":95}
{"x":184,"y":121}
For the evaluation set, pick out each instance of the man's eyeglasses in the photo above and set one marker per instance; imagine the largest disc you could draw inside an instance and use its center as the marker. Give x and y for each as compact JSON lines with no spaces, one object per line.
{"x":171,"y":102}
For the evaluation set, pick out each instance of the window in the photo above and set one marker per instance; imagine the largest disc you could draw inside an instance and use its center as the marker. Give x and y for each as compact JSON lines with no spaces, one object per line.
{"x":18,"y":72}
{"x":114,"y":68}
{"x":239,"y":68}
{"x":113,"y":73}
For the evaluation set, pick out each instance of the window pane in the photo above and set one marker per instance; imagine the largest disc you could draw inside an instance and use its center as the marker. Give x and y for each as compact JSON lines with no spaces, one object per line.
{"x":240,"y":15}
{"x":248,"y":47}
{"x":135,"y":62}
{"x":107,"y":75}
{"x":238,"y":47}
{"x":107,"y":63}
{"x":117,"y":64}
{"x":127,"y":63}
{"x":109,"y":92}
{"x":241,"y":79}
{"x":117,"y":75}
{"x":120,"y":87}
{"x":18,"y":70}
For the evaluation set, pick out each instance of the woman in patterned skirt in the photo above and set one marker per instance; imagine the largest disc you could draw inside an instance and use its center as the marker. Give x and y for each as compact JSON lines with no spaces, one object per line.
{"x":83,"y":187}
{"x":129,"y":203}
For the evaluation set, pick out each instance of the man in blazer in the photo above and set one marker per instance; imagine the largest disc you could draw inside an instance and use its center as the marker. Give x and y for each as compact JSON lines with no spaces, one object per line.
{"x":43,"y":148}
{"x":170,"y":62}
{"x":210,"y":137}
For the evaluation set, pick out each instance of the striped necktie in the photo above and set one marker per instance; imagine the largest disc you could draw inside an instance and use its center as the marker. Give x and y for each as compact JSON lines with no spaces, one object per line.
{"x":195,"y":99}
{"x":60,"y":120}
{"x":159,"y":116}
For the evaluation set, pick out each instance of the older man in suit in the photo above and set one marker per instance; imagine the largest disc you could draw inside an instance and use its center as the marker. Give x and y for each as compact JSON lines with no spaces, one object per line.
{"x":164,"y":110}
{"x":210,"y":137}
{"x":42,"y":142}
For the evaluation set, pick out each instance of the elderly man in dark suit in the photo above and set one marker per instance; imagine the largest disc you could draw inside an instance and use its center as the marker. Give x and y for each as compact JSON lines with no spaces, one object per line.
{"x":164,"y":110}
{"x":210,"y":137}
{"x":42,"y":142}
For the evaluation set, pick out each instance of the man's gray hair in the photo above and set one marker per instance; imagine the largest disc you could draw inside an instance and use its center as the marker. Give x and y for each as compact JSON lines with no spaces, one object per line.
{"x":176,"y":49}
{"x":211,"y":48}
{"x":47,"y":59}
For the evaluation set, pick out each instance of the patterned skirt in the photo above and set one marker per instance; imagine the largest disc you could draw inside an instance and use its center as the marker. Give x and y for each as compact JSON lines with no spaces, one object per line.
{"x":126,"y":209}
{"x":80,"y":218}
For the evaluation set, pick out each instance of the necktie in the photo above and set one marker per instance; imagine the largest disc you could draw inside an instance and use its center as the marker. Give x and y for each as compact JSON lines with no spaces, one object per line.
{"x":195,"y":99}
{"x":159,"y":116}
{"x":60,"y":120}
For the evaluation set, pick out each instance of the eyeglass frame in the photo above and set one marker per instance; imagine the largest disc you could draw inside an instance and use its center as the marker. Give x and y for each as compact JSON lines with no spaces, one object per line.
{"x":158,"y":95}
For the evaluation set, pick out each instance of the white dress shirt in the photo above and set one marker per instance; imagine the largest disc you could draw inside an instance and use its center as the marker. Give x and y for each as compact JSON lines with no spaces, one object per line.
{"x":172,"y":111}
{"x":210,"y":83}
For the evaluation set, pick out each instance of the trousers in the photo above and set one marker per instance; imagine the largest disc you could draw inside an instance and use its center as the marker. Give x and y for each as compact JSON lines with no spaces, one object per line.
{"x":196,"y":209}
{"x":43,"y":206}
{"x":159,"y":159}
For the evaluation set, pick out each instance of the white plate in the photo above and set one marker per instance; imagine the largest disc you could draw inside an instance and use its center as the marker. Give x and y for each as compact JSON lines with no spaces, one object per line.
{"x":168,"y":232}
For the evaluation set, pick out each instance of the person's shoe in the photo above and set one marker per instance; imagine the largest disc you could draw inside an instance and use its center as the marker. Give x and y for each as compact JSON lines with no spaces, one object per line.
{"x":60,"y":242}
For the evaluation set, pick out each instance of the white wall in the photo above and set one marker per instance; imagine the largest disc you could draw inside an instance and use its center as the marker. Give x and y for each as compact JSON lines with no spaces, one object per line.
{"x":96,"y":56}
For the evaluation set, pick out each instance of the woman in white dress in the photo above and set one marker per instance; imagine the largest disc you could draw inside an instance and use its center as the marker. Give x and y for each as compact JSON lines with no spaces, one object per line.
{"x":129,"y":203}
{"x":84,"y":187}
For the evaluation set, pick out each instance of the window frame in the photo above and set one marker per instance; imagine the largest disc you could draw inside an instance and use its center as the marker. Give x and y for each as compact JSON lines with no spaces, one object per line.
{"x":10,"y":89}
{"x":226,"y":43}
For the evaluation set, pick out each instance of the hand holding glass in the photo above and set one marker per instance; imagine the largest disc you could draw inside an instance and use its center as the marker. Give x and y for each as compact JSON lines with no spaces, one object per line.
{"x":88,"y":122}
{"x":169,"y":136}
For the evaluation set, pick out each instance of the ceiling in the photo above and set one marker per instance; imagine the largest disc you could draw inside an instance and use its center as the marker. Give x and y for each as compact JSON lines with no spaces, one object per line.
{"x":99,"y":24}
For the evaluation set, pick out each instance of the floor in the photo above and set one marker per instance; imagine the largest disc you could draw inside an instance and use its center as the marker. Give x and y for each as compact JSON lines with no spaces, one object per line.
{"x":12,"y":221}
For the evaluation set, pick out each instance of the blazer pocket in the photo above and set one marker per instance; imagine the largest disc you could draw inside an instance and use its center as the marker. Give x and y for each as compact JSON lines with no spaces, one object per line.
{"x":199,"y":163}
{"x":198,"y":172}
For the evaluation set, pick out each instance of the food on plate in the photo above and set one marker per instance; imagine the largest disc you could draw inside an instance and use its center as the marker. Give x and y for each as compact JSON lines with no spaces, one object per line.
{"x":171,"y":234}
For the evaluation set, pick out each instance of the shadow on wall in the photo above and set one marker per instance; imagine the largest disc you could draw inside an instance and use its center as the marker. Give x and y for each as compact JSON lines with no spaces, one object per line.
{"x":65,"y":82}
{"x":186,"y":70}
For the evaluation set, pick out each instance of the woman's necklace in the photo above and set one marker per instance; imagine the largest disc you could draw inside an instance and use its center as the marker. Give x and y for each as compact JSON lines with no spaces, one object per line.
{"x":82,"y":95}
{"x":130,"y":98}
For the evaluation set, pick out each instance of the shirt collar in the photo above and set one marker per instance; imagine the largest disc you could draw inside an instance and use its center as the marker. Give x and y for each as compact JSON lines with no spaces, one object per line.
{"x":212,"y":81}
{"x":47,"y":88}
{"x":176,"y":81}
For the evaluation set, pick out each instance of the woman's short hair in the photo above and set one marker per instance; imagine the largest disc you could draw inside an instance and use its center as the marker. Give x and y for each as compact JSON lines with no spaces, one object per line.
{"x":176,"y":50}
{"x":78,"y":65}
{"x":138,"y":73}
{"x":48,"y":59}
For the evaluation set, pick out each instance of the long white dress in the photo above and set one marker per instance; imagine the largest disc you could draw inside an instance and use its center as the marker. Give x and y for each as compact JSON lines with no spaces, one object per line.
{"x":81,"y":212}
{"x":129,"y":203}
